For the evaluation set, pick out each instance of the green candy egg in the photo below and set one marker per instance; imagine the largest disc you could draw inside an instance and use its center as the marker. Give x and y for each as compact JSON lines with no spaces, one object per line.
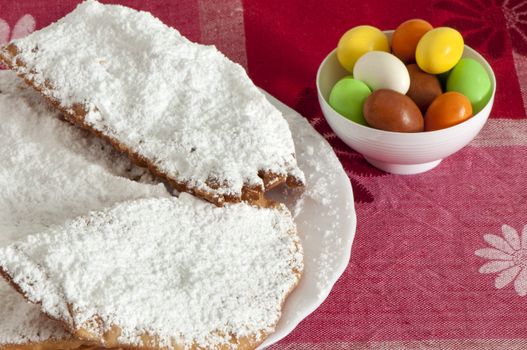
{"x":347,"y":98}
{"x":469,"y":78}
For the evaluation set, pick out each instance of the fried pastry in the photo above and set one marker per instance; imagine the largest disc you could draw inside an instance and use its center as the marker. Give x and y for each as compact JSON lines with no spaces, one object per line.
{"x":50,"y":172}
{"x":182,"y":109}
{"x":171,"y":273}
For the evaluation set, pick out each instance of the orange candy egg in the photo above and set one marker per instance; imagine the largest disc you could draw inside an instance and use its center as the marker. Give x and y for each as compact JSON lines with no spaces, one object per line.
{"x":406,"y":37}
{"x":447,"y":110}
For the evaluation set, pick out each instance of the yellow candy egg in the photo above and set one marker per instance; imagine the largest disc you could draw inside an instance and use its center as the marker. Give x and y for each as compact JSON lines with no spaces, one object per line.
{"x":439,"y":50}
{"x":357,"y":41}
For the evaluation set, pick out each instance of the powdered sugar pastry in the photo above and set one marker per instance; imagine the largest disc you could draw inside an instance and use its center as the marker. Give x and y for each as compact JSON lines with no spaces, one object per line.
{"x":201,"y":275}
{"x":51,"y":172}
{"x":184,"y":107}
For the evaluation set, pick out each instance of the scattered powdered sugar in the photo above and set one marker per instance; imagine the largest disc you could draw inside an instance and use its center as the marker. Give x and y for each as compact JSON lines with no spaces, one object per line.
{"x":51,"y":172}
{"x":324,"y":214}
{"x":325,"y":199}
{"x":186,"y":107}
{"x":196,"y":274}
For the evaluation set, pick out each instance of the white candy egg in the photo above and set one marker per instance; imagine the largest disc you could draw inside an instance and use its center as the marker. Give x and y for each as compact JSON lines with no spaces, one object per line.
{"x":382,"y":70}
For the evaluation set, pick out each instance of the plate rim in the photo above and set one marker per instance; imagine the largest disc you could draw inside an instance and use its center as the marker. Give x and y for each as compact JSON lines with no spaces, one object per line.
{"x":277,"y":336}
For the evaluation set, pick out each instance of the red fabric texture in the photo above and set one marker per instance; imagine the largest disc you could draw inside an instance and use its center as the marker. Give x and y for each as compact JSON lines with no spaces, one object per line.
{"x":432,"y":264}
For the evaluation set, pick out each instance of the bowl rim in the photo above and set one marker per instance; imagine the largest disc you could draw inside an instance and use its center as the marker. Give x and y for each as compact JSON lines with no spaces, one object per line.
{"x":427,"y":133}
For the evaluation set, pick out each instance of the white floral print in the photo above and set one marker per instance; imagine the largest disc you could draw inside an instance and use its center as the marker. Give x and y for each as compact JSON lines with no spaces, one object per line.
{"x":508,"y":258}
{"x":24,"y":26}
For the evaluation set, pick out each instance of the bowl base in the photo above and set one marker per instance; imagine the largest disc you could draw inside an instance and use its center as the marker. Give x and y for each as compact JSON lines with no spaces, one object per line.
{"x":403,"y":169}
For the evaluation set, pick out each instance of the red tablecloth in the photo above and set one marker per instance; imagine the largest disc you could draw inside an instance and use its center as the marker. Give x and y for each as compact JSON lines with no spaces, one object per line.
{"x":440,"y":259}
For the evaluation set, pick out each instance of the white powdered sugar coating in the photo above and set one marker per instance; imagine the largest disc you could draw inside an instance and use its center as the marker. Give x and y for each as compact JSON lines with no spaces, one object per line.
{"x":195,"y":275}
{"x":22,"y":322}
{"x":51,"y":172}
{"x":184,"y":106}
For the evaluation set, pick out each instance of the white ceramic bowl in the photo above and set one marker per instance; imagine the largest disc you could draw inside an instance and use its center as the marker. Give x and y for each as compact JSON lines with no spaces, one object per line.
{"x":396,"y":152}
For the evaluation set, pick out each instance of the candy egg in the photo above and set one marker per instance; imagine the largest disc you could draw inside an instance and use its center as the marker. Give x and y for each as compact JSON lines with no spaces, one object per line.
{"x":347,"y":98}
{"x":406,"y":36}
{"x":391,"y":111}
{"x":382,"y":70}
{"x":447,"y":110}
{"x":439,"y":50}
{"x":357,"y":41}
{"x":470,"y":79}
{"x":424,"y":87}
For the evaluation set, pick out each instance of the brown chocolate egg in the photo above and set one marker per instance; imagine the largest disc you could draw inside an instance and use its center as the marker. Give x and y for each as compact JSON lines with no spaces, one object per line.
{"x":424,"y":87}
{"x":392,"y":111}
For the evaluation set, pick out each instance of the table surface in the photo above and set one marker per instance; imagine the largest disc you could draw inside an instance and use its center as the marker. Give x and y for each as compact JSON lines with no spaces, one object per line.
{"x":439,"y":259}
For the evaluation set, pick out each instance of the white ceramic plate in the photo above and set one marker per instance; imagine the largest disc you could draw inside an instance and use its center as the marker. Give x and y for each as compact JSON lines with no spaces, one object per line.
{"x":325,"y":217}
